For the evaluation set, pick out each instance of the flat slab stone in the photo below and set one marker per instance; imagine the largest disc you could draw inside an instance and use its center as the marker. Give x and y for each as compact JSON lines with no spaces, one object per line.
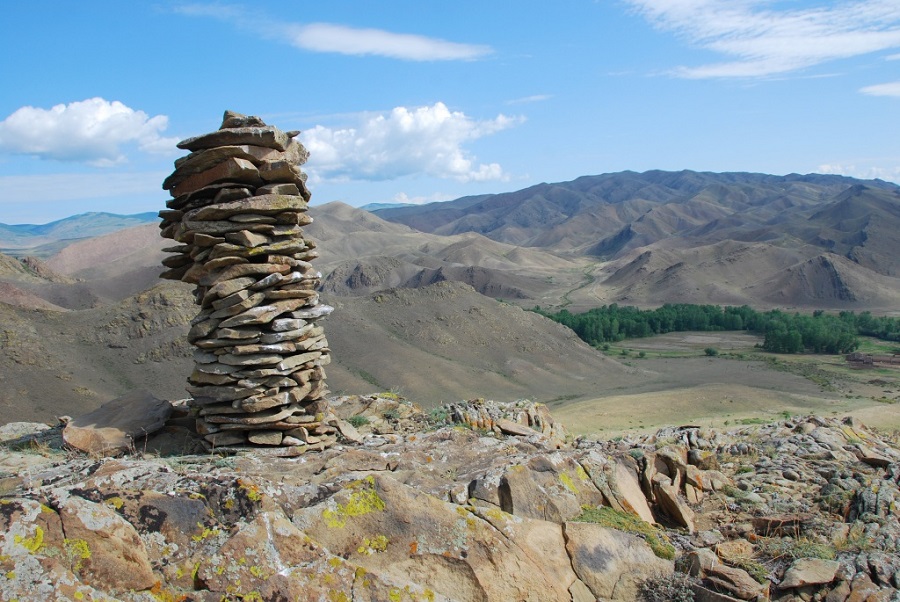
{"x":229,"y":170}
{"x":113,"y":427}
{"x":14,"y":430}
{"x":267,"y":204}
{"x":810,"y":571}
{"x":268,"y":136}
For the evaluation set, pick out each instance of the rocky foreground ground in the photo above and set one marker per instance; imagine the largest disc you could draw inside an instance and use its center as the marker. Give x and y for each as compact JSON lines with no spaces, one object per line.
{"x":471,"y":502}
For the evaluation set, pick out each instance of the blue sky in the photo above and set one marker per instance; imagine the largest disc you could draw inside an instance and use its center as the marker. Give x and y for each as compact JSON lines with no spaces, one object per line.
{"x":421,"y":101}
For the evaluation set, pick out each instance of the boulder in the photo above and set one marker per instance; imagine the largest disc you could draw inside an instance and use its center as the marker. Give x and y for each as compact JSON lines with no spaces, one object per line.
{"x":736,"y":582}
{"x":104,"y":548}
{"x":734,"y":550}
{"x":611,"y":563}
{"x":15,"y":430}
{"x":671,"y":503}
{"x":456,"y":552}
{"x":809,"y":571}
{"x":113,"y":427}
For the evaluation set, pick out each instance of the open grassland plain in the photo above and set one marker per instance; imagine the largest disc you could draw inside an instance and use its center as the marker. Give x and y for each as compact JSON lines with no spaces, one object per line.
{"x":738,"y":385}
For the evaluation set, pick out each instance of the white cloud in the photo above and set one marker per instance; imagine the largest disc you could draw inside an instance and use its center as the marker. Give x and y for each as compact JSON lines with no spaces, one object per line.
{"x":72,"y":187}
{"x":90,"y":131}
{"x":424,"y":140}
{"x":888,"y":89}
{"x":328,"y":37}
{"x":341,"y":39}
{"x":529,"y":99}
{"x":764,"y":41}
{"x":402,"y":197}
{"x":865,"y":172}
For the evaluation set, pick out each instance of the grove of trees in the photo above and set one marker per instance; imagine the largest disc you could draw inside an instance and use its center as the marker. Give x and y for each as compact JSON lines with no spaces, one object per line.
{"x":783,"y":332}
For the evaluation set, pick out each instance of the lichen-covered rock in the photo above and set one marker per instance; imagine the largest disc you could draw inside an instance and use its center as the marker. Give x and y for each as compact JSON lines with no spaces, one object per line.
{"x":103,"y":547}
{"x":611,"y":563}
{"x":414,"y":511}
{"x":459,"y":552}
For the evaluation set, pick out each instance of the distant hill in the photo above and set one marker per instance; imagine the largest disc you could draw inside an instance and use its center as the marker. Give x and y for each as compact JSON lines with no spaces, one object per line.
{"x":795,"y":241}
{"x":655,"y":237}
{"x":43,"y":240}
{"x":412,"y":292}
{"x":610,"y":214}
{"x":379,"y":206}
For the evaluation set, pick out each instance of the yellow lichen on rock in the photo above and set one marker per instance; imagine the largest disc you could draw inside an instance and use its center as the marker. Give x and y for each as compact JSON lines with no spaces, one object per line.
{"x":363,"y":500}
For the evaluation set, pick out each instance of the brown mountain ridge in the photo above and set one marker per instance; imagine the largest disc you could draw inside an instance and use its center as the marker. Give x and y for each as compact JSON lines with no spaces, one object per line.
{"x":418,"y":310}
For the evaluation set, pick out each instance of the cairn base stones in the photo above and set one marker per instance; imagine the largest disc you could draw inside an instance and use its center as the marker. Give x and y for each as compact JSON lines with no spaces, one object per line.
{"x":238,"y":207}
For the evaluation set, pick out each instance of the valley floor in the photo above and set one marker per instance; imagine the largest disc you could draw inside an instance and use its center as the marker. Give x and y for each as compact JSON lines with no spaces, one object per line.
{"x":678,"y":384}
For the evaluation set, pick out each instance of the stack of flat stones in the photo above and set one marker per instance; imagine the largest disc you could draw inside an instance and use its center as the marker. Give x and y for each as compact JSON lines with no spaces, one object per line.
{"x":239,"y":201}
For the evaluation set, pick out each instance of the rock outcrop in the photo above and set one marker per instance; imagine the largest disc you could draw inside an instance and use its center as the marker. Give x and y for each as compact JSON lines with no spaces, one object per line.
{"x":239,"y":203}
{"x":415,"y":508}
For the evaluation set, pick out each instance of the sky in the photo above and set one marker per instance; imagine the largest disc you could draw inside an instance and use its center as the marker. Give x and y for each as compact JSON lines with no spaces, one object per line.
{"x":412,"y":101}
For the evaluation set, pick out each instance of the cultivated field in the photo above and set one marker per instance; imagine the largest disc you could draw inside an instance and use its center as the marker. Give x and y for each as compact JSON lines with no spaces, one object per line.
{"x":741,"y":385}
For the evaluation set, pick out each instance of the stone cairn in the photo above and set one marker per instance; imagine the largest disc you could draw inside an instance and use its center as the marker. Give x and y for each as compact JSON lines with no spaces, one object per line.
{"x":240,"y":200}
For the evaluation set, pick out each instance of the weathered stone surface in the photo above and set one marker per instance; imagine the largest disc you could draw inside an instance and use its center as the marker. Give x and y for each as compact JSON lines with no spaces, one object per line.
{"x":295,"y":361}
{"x":513,"y":428}
{"x":258,"y":403}
{"x":269,"y":204}
{"x":265,"y":437}
{"x":672,"y":504}
{"x":420,"y":544}
{"x":700,"y":561}
{"x":242,"y":269}
{"x":254,"y":359}
{"x":313,"y":313}
{"x":265,"y":136}
{"x":241,"y":200}
{"x":246,"y":238}
{"x":702,"y":594}
{"x":809,"y":571}
{"x":611,"y":563}
{"x":105,"y":549}
{"x":113,"y":427}
{"x":278,"y":189}
{"x":380,"y":525}
{"x":14,"y":430}
{"x":238,"y":303}
{"x":734,"y":550}
{"x":231,"y":170}
{"x":777,"y":525}
{"x":631,"y":496}
{"x":736,"y":582}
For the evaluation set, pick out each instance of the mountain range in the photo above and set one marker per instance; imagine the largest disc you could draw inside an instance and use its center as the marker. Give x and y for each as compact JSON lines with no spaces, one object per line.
{"x":428,"y":298}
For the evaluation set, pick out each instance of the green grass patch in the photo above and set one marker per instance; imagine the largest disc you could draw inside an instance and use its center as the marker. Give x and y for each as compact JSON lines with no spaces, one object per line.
{"x":793,"y":549}
{"x":358,"y":421}
{"x":751,"y":421}
{"x":629,"y":523}
{"x":369,"y":378}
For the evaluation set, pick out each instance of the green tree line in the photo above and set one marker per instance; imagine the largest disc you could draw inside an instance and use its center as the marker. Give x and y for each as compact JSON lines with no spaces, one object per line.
{"x":783,"y":332}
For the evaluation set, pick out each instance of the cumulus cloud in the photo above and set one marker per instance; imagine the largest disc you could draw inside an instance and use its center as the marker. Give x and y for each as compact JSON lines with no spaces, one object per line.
{"x":765,"y":41}
{"x":90,"y":131}
{"x":341,"y":39}
{"x":406,"y":141}
{"x":888,"y":89}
